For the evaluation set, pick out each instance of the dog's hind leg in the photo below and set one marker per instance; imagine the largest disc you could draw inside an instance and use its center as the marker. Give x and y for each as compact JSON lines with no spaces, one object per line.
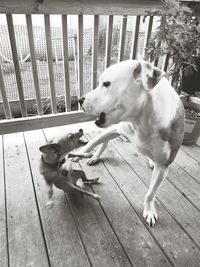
{"x":77,"y":189}
{"x":150,"y":214}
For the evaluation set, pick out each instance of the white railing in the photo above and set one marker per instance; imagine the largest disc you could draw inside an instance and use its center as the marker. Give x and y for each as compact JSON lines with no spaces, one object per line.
{"x":96,"y":8}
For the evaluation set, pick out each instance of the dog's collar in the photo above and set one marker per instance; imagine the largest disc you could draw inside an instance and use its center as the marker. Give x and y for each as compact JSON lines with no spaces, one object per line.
{"x":55,"y":165}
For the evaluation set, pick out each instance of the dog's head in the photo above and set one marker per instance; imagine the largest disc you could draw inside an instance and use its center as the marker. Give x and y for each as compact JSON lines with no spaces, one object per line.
{"x":59,"y":146}
{"x":121,"y":91}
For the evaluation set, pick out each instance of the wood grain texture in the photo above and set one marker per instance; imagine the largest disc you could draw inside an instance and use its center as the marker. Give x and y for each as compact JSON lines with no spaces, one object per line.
{"x":25,"y":238}
{"x":100,"y":242}
{"x":95,"y":52}
{"x":50,"y":62}
{"x":109,"y":33}
{"x":3,"y":219}
{"x":184,"y":212}
{"x":64,"y":245}
{"x":66,"y":63}
{"x":6,"y":105}
{"x":122,"y":38}
{"x":33,"y":63}
{"x":16,"y":64}
{"x":135,"y":38}
{"x":38,"y":122}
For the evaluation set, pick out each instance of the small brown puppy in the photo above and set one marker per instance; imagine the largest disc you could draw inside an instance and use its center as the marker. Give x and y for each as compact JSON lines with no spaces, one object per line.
{"x":58,"y":171}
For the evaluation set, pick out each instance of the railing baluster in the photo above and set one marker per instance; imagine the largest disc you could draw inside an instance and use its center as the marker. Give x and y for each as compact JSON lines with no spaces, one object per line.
{"x":95,"y":51}
{"x":122,"y":38}
{"x":80,"y":55}
{"x":16,"y":64}
{"x":135,"y":39}
{"x":6,"y":105}
{"x":66,"y":63}
{"x":148,"y":34}
{"x":50,"y":61}
{"x":109,"y":40}
{"x":33,"y":62}
{"x":165,"y":62}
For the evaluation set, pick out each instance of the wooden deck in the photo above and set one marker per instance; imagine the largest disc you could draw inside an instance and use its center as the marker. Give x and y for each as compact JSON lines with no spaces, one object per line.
{"x":83,"y":232}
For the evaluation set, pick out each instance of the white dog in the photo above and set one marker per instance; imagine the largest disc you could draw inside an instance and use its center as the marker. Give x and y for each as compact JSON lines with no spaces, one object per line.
{"x":135,"y":99}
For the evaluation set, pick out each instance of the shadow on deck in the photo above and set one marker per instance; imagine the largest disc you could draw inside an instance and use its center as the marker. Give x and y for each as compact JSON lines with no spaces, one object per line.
{"x":83,"y":232}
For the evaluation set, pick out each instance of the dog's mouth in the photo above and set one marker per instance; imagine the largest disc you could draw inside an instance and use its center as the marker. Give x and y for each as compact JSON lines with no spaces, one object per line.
{"x":100,"y":121}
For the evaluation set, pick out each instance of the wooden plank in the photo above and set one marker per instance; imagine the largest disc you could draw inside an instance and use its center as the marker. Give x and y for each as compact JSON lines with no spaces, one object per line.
{"x":165,"y":62}
{"x":33,"y":63}
{"x":16,"y":64}
{"x":3,"y":219}
{"x":193,"y":151}
{"x":131,"y":232}
{"x":25,"y":237}
{"x":176,"y":204}
{"x":114,"y":7}
{"x":6,"y":105}
{"x":50,"y":62}
{"x":66,"y":63}
{"x":64,"y":244}
{"x":148,"y":34}
{"x":109,"y":32}
{"x":122,"y":38}
{"x":135,"y":38}
{"x":139,"y":245}
{"x":101,"y":244}
{"x":191,"y":166}
{"x":36,"y":122}
{"x":80,"y":56}
{"x":95,"y":51}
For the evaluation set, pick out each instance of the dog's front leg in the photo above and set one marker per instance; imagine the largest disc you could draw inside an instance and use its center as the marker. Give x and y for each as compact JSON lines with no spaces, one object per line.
{"x":95,"y":158}
{"x":103,"y":137}
{"x":150,"y":214}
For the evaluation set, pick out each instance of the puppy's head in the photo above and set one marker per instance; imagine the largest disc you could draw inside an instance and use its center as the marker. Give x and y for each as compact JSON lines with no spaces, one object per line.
{"x":121,"y":92}
{"x":59,"y":146}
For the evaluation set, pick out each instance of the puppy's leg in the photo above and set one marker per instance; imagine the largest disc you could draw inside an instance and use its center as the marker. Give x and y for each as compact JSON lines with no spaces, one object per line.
{"x":151,"y":163}
{"x":159,"y":173}
{"x":103,"y":137}
{"x":95,"y":158}
{"x":49,"y":203}
{"x":75,"y":188}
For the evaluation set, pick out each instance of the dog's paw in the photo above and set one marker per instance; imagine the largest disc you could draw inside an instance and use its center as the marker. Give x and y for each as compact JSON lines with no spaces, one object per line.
{"x":93,"y":161}
{"x":49,"y":205}
{"x":151,"y":163}
{"x":150,"y":214}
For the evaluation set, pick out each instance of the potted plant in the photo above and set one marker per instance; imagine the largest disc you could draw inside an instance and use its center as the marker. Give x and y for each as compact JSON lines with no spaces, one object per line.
{"x":178,"y":38}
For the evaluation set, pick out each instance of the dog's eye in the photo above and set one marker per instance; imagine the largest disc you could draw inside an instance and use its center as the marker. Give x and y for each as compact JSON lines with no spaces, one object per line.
{"x":71,"y":136}
{"x":106,"y":84}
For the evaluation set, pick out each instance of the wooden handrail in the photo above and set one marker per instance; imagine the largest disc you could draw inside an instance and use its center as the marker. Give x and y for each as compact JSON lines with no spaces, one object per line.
{"x":92,"y":7}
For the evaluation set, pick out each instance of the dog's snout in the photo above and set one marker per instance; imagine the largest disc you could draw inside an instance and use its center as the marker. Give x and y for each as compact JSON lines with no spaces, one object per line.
{"x":81,"y":100}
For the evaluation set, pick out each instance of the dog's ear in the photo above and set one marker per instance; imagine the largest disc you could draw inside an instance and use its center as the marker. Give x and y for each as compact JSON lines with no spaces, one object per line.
{"x":48,"y":148}
{"x":147,"y":74}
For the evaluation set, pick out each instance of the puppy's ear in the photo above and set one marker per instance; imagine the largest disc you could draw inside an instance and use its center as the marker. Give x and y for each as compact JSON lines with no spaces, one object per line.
{"x":48,"y":148}
{"x":147,"y":74}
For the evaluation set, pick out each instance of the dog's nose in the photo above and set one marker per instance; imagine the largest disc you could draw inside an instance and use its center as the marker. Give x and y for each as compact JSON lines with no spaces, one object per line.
{"x":81,"y":100}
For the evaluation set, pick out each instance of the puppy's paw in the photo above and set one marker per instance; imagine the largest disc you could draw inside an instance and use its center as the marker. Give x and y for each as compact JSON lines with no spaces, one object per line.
{"x":49,"y":205}
{"x":150,"y":214}
{"x":79,"y":183}
{"x":151,"y":163}
{"x":92,"y":161}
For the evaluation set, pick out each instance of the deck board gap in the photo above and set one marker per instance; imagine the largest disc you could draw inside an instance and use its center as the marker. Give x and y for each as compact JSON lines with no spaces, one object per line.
{"x":5,"y":197}
{"x":36,"y":200}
